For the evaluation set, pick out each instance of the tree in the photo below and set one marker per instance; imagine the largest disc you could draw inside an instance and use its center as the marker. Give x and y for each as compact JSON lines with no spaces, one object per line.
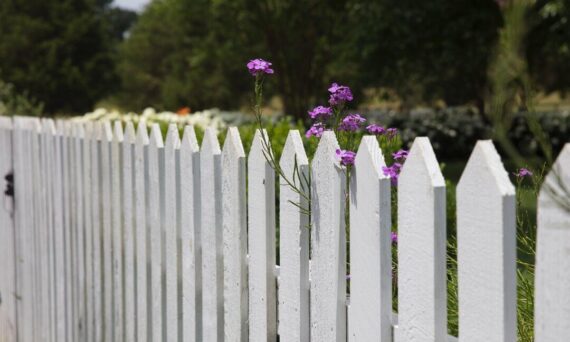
{"x":60,"y":52}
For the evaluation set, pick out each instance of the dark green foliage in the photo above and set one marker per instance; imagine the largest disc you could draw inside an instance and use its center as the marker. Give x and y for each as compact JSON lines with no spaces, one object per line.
{"x":12,"y":103}
{"x":60,"y":52}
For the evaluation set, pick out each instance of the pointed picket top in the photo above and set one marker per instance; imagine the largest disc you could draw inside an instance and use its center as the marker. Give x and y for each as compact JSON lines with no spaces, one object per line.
{"x":156,"y":136}
{"x":233,"y":146}
{"x":172,"y":137}
{"x":189,"y":141}
{"x":328,"y":241}
{"x":258,"y":148}
{"x":88,"y":128}
{"x":485,"y":163}
{"x":80,"y":131}
{"x":370,"y":309}
{"x":486,"y":222}
{"x":48,"y":126}
{"x":117,"y":132}
{"x":552,"y":280}
{"x":210,"y":143}
{"x":142,"y":134}
{"x":5,"y":122}
{"x":130,"y":135}
{"x":422,"y":293}
{"x":107,"y":131}
{"x":97,"y":131}
{"x":294,"y":244}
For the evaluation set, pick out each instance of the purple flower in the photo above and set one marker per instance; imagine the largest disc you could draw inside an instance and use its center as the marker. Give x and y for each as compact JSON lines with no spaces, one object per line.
{"x":523,"y":172}
{"x":401,"y":155}
{"x":351,"y":123}
{"x":315,"y":130}
{"x":391,"y":132}
{"x":346,"y":157}
{"x":339,"y":94}
{"x":393,"y":172}
{"x":376,"y":129}
{"x":259,"y":66}
{"x":394,"y":237}
{"x":320,"y":112}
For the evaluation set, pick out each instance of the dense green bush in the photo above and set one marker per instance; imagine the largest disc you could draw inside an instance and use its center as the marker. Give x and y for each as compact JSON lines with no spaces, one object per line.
{"x":12,"y":103}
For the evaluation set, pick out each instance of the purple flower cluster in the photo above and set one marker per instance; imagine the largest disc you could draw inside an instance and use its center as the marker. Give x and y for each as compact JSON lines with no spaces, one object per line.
{"x":523,"y":172}
{"x":259,"y":66}
{"x":320,"y":112}
{"x":393,"y":172}
{"x":346,"y":157}
{"x":339,"y":94}
{"x":379,"y":130}
{"x":394,"y":237}
{"x":351,"y":123}
{"x":315,"y":130}
{"x":401,"y":155}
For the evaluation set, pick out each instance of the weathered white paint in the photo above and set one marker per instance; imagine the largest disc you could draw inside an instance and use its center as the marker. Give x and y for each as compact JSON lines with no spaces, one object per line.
{"x":79,"y":322}
{"x":370,"y":310}
{"x":486,"y":249}
{"x":422,"y":288}
{"x":89,"y":228}
{"x":155,"y":151}
{"x":141,"y":232}
{"x":212,"y":252}
{"x":328,"y":244}
{"x":7,"y":235}
{"x":552,"y":291}
{"x":294,"y":243}
{"x":188,"y":206}
{"x":97,"y":230}
{"x":170,"y":252}
{"x":107,"y":242}
{"x":59,"y":234}
{"x":261,"y":237}
{"x":117,"y":168}
{"x":128,"y":219}
{"x":234,"y":238}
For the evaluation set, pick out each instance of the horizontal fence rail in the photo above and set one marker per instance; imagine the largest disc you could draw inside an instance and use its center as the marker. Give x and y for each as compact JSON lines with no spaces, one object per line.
{"x":116,"y":233}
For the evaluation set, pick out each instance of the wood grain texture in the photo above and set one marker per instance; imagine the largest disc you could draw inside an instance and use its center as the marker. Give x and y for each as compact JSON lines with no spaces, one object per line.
{"x":552,"y":281}
{"x":117,"y":169}
{"x":294,"y":243}
{"x":212,"y":251}
{"x":261,"y":240}
{"x":422,"y":289}
{"x":486,"y":249}
{"x":370,"y":310}
{"x":328,"y":244}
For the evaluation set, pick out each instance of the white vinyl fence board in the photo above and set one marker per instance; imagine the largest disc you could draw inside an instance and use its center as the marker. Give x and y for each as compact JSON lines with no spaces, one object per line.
{"x":294,"y":243}
{"x":552,"y":282}
{"x":422,"y":288}
{"x":486,"y":249}
{"x":117,"y":169}
{"x":328,"y":244}
{"x":97,"y":230}
{"x":370,"y":310}
{"x":261,"y":237}
{"x":107,"y":227}
{"x":211,"y":233}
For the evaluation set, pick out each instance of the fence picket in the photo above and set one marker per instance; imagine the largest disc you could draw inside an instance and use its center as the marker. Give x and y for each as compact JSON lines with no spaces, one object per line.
{"x":97,"y":230}
{"x":79,"y":322}
{"x":486,"y":249}
{"x":155,"y":153}
{"x":234,"y":238}
{"x":68,"y":210}
{"x":212,"y":266}
{"x":128,"y":179}
{"x":117,"y":168}
{"x":370,"y":310}
{"x":328,"y":244}
{"x":261,"y":237}
{"x":294,"y":243}
{"x":169,"y":255}
{"x":422,"y":290}
{"x":189,"y":233}
{"x":141,"y":232}
{"x":552,"y":281}
{"x":89,"y":332}
{"x":7,"y":235}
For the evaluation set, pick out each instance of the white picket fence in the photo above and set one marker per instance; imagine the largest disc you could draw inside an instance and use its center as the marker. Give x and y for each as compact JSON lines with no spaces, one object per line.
{"x":121,"y":236}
